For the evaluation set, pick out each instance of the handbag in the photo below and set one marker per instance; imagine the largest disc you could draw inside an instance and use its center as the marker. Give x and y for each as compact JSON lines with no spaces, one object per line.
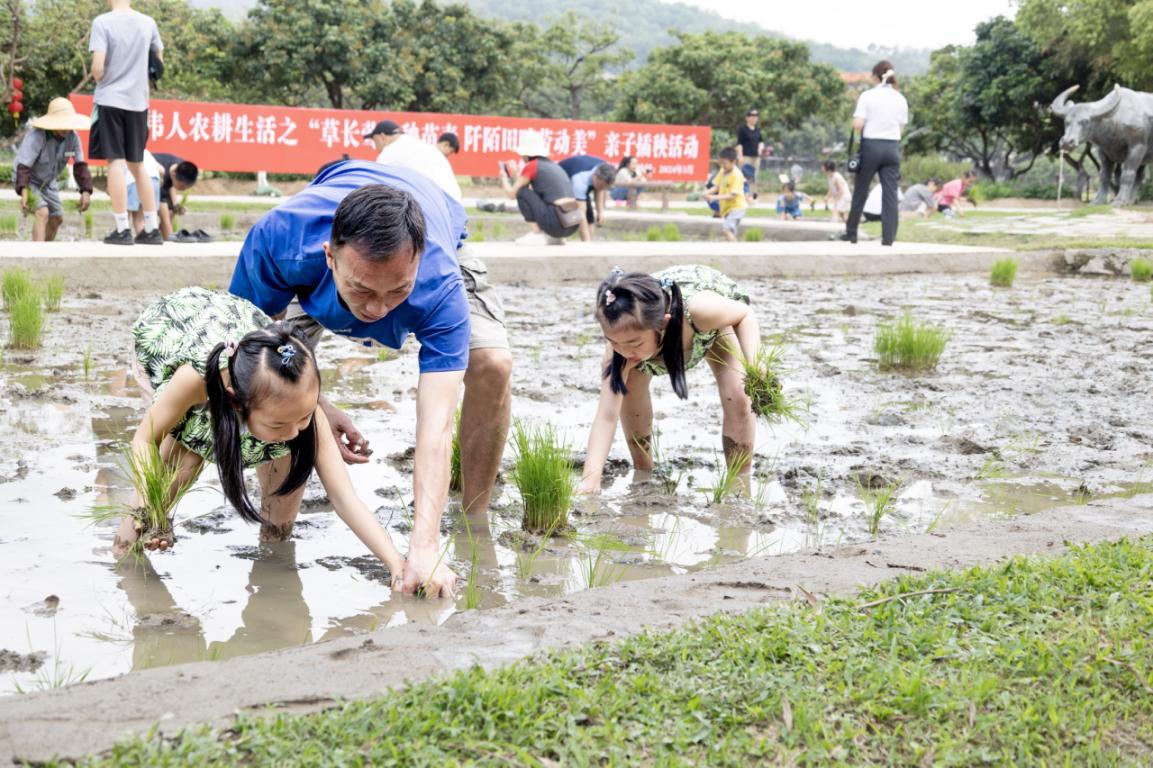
{"x":568,"y":212}
{"x":854,"y":164}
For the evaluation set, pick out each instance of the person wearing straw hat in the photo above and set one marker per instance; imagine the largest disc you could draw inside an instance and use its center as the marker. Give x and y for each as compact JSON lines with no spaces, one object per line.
{"x":51,"y":141}
{"x":543,"y":192}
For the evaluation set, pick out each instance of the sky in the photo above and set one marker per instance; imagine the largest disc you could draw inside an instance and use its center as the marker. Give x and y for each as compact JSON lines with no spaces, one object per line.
{"x":859,"y":23}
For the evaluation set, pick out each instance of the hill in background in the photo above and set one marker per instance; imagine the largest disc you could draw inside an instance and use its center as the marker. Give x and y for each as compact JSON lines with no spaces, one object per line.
{"x":644,"y":25}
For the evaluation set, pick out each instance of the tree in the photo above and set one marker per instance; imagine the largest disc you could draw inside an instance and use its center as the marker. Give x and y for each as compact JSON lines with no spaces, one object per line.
{"x":988,"y":102}
{"x":713,"y":79}
{"x":427,"y":58}
{"x":566,"y":67}
{"x":291,"y":49}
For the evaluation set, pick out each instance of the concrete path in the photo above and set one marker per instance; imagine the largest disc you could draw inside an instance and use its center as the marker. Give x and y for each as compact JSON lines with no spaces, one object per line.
{"x":95,"y":266}
{"x":91,"y":717}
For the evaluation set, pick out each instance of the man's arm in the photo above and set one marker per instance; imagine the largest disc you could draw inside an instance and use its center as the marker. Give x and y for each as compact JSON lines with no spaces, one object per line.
{"x":436,"y":397}
{"x":586,"y":232}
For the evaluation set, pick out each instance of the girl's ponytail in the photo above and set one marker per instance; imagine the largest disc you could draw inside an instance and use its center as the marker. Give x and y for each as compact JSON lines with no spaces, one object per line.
{"x":672,"y":348}
{"x":226,"y":436}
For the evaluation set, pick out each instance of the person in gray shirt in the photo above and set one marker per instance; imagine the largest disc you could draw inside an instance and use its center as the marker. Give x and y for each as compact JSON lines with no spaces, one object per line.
{"x":921,"y":198}
{"x":51,"y":141}
{"x":120,"y":42}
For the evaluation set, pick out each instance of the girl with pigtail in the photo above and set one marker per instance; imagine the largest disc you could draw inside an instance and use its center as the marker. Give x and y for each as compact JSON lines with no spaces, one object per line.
{"x":666,"y":323}
{"x":226,"y":384}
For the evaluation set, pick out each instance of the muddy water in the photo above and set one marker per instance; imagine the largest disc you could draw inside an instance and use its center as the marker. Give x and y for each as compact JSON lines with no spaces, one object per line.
{"x":1038,"y":400}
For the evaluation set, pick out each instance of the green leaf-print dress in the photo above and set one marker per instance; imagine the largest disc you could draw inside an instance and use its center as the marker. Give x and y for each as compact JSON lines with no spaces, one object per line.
{"x":182,"y":328}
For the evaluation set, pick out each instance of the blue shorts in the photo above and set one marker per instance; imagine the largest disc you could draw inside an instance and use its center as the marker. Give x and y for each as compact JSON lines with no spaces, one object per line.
{"x":134,"y":197}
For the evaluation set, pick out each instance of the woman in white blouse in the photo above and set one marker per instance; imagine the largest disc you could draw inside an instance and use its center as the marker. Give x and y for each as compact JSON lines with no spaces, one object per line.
{"x":880,"y":115}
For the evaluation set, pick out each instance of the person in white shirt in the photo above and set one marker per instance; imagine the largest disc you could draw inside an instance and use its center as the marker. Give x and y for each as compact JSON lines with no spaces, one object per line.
{"x":398,"y":148}
{"x":880,"y":115}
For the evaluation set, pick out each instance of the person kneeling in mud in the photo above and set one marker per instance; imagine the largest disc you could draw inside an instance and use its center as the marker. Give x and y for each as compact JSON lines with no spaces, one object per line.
{"x":229,"y":385}
{"x":667,"y":323}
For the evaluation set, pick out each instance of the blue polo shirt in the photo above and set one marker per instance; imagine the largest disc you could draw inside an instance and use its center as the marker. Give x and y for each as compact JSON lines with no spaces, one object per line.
{"x":283,"y":258}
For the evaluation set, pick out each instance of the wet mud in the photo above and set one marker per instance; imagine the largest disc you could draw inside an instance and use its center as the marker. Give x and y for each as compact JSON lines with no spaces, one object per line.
{"x":1038,"y":402}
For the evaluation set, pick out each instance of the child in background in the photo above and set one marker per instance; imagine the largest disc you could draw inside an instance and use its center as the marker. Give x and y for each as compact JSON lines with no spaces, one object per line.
{"x":790,"y":201}
{"x":649,"y":323}
{"x":229,"y":385}
{"x":730,"y":194}
{"x":952,"y":193}
{"x":839,"y":196}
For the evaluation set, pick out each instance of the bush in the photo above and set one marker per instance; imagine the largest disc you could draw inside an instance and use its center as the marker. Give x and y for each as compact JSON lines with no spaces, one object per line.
{"x":916,"y":169}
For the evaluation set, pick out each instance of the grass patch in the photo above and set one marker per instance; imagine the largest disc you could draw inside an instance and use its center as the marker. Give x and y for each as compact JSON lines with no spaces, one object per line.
{"x":9,"y":224}
{"x":909,"y":345}
{"x":653,"y":234}
{"x":25,"y":322}
{"x":16,"y":283}
{"x":227,"y":222}
{"x":1034,"y":661}
{"x":754,"y":235}
{"x":1089,"y":210}
{"x":1004,"y":273}
{"x":1141,"y":270}
{"x":671,"y":233}
{"x":53,"y":291}
{"x":543,"y":473}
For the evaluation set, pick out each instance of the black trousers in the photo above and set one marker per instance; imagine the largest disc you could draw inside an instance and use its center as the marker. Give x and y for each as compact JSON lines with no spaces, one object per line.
{"x":534,"y":209}
{"x":878,"y":157}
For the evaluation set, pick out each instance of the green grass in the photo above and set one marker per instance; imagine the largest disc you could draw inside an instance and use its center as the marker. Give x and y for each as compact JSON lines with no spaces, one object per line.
{"x":907,"y":344}
{"x":89,"y":223}
{"x":227,"y":222}
{"x":729,"y":478}
{"x":1141,"y":270}
{"x":1090,"y":210}
{"x":53,"y":291}
{"x":543,"y":473}
{"x":671,"y":232}
{"x":1035,"y":661}
{"x":754,"y":235}
{"x":1004,"y":273}
{"x":653,"y":234}
{"x":25,"y":322}
{"x":16,"y":283}
{"x":878,"y":502}
{"x":86,"y":363}
{"x":9,"y":224}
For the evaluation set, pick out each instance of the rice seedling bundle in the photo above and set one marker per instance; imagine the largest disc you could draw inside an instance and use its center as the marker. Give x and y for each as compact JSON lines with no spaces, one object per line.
{"x":544,"y":476}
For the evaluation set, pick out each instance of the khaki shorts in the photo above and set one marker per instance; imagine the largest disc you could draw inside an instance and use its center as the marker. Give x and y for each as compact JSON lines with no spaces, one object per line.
{"x":486,"y":313}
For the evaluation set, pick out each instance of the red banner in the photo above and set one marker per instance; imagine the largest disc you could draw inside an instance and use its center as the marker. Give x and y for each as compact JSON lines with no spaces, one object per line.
{"x":252,"y":137}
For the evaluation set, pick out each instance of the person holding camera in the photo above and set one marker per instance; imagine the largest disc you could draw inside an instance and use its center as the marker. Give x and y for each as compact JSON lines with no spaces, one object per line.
{"x":880,"y":115}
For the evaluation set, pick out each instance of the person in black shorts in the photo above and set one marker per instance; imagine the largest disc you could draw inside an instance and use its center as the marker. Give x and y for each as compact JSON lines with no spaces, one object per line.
{"x":750,"y":142}
{"x":120,"y":43}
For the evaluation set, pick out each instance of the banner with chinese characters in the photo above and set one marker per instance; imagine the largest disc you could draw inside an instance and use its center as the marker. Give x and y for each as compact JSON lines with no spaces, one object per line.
{"x":250,"y":137}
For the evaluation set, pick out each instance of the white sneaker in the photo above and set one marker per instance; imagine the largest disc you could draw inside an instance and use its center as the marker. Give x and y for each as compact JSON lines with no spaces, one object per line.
{"x":557,"y":241}
{"x":532,"y":238}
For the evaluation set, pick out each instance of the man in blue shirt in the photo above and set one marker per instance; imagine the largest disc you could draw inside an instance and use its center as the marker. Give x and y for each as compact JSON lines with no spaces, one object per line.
{"x":370,"y":253}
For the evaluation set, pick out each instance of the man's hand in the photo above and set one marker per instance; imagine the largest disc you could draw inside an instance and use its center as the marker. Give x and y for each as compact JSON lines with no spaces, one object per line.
{"x":24,"y":201}
{"x":427,"y":575}
{"x":353,"y":447}
{"x":85,"y":201}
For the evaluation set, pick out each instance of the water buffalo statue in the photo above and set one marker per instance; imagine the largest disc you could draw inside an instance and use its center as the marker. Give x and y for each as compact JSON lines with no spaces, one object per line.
{"x":1120,"y":126}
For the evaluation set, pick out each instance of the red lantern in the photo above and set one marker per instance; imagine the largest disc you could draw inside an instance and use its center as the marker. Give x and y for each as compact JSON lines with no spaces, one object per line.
{"x":16,"y":107}
{"x":17,"y":94}
{"x":17,"y":83}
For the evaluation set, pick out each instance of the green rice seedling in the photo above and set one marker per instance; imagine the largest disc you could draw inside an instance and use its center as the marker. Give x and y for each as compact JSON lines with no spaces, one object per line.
{"x":878,"y":502}
{"x":730,"y":478}
{"x":159,"y":488}
{"x":87,"y":363}
{"x":9,"y":224}
{"x":227,"y":222}
{"x":671,"y":232}
{"x":384,"y":354}
{"x":1004,"y":273}
{"x":26,"y":322}
{"x":53,"y":290}
{"x":524,"y":563}
{"x":1082,"y":494}
{"x":907,"y":344}
{"x":653,"y":234}
{"x":543,"y":473}
{"x":595,"y":562}
{"x":993,"y":468}
{"x":1064,"y":319}
{"x":89,"y":224}
{"x":472,"y":583}
{"x":454,"y":484}
{"x":15,"y":283}
{"x":1141,"y":270}
{"x":763,"y":386}
{"x":754,"y":235}
{"x":498,"y":230}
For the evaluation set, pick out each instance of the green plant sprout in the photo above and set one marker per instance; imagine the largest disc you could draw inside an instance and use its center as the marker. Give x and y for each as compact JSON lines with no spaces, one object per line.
{"x":472,"y":583}
{"x":878,"y":502}
{"x":1141,"y":270}
{"x":754,"y":235}
{"x":454,"y":482}
{"x":15,"y":283}
{"x":909,"y":345}
{"x":595,"y":562}
{"x":762,"y":377}
{"x":653,"y":234}
{"x":53,"y":288}
{"x":26,"y":322}
{"x":227,"y":222}
{"x":1004,"y":273}
{"x":543,"y":473}
{"x":524,"y":565}
{"x":729,"y":478}
{"x":86,"y":363}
